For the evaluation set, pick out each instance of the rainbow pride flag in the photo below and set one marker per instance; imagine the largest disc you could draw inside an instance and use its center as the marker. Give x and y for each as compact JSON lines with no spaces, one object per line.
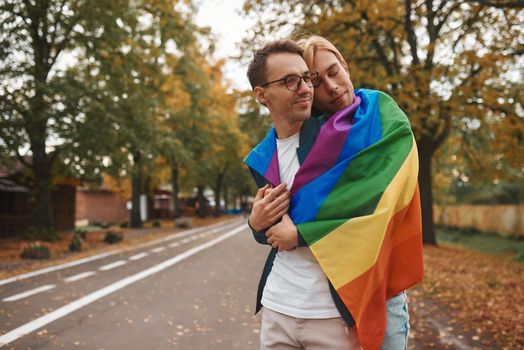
{"x":355,"y":201}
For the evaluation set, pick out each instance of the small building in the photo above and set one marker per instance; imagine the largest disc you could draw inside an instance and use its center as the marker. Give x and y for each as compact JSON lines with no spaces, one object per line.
{"x":162,"y":206}
{"x":100,"y":206}
{"x":17,"y":205}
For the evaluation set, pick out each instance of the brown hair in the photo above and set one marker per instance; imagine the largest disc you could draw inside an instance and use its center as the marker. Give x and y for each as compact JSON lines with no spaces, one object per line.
{"x":256,"y":71}
{"x":313,"y":44}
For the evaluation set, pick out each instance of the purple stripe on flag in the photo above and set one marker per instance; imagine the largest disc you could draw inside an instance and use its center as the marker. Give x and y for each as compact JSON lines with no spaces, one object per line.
{"x":272,"y":172}
{"x":328,"y":145}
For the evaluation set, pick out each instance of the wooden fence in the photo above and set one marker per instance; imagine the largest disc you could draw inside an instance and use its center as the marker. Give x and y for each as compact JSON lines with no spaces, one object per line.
{"x":506,"y":220}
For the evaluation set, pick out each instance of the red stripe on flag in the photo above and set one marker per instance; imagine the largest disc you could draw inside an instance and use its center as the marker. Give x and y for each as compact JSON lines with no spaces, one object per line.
{"x":399,"y":264}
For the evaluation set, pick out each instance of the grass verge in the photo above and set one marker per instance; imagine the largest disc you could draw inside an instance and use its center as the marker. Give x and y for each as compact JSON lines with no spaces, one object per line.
{"x":490,"y":243}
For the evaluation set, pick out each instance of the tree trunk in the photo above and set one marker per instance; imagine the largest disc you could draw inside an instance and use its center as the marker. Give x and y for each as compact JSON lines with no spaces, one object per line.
{"x":243,"y":202}
{"x":426,"y":194}
{"x":201,"y":200}
{"x":238,"y":200}
{"x":43,"y":211}
{"x":41,"y":167}
{"x":176,"y":188}
{"x":148,"y":189}
{"x":226,"y":196}
{"x":217,"y":192}
{"x":135,"y":219}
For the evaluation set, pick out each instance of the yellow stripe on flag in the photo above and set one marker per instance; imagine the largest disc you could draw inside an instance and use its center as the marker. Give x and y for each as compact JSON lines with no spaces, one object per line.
{"x":352,"y":248}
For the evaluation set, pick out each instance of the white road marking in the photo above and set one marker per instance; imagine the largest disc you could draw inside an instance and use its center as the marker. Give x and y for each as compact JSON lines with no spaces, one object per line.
{"x":158,"y":250}
{"x":113,"y":252}
{"x":79,"y":276}
{"x":55,"y":268}
{"x":112,"y":265}
{"x":173,"y":245}
{"x":29,"y":293}
{"x":88,"y":299}
{"x":138,"y":256}
{"x":185,"y":240}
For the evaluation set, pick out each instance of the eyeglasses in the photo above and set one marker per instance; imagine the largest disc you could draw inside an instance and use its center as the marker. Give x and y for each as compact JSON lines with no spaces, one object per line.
{"x":293,"y":81}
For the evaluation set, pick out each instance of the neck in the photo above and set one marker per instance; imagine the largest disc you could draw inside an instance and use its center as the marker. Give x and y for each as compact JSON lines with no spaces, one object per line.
{"x":285,"y":130}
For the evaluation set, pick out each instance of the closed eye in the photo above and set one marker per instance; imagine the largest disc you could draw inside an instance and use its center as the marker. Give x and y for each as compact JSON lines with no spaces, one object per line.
{"x":333,"y":72}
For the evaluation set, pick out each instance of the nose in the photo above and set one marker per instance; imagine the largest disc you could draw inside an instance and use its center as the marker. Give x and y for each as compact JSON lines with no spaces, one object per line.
{"x":330,"y":85}
{"x":303,"y":88}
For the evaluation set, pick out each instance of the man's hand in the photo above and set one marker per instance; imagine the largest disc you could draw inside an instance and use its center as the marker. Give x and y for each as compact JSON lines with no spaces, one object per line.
{"x":269,"y":206}
{"x":283,"y":235}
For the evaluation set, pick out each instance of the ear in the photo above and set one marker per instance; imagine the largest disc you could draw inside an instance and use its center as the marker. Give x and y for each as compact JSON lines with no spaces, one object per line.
{"x":260,"y":94}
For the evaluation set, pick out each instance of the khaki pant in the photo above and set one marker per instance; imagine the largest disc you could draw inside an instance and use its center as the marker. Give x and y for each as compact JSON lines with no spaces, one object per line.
{"x":282,"y":332}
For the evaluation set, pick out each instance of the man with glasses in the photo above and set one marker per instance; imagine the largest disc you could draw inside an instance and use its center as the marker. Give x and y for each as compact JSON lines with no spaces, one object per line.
{"x":301,"y":308}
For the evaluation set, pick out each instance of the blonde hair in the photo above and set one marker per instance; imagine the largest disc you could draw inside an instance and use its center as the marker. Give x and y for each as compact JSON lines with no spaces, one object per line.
{"x":315,"y":43}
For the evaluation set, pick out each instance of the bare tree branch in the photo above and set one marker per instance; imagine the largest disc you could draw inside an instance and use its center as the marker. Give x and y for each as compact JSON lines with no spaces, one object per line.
{"x":378,"y":47}
{"x":444,"y":133}
{"x":445,"y":17}
{"x":55,"y":25}
{"x":22,"y":160}
{"x":412,"y":39}
{"x":499,"y":4}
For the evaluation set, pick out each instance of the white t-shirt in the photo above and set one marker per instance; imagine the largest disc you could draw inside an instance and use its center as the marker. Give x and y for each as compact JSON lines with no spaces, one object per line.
{"x":296,"y":285}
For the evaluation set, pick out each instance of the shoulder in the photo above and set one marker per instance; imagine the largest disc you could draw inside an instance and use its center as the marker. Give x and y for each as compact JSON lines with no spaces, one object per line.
{"x":369,"y":94}
{"x":309,"y":130}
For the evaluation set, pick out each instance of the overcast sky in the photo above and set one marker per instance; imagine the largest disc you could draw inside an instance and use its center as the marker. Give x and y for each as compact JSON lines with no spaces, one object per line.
{"x":229,"y":27}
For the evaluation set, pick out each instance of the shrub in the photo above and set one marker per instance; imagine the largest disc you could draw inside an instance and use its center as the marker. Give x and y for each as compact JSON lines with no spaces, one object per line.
{"x":76,"y":243}
{"x":124,"y":224}
{"x":81,"y":232}
{"x":34,"y":233}
{"x":35,"y":250}
{"x":156,"y":223}
{"x":113,"y":237}
{"x":184,"y":222}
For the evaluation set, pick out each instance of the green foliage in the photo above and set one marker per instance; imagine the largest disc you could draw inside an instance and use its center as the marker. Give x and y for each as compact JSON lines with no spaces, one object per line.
{"x":81,"y":232}
{"x":254,"y":119}
{"x":470,"y":168}
{"x":126,"y":89}
{"x":35,"y":233}
{"x":35,"y":250}
{"x":449,"y":65}
{"x":101,"y":113}
{"x":500,"y":193}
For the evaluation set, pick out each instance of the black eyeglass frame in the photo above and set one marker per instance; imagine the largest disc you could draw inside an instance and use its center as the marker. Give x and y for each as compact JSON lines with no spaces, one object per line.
{"x":308,"y":75}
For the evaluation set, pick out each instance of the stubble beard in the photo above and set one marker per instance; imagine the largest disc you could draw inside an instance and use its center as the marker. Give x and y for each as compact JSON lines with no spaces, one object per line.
{"x":300,"y":117}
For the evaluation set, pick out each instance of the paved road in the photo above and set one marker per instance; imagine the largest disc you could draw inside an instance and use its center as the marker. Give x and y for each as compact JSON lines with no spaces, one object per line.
{"x":194,"y":290}
{"x":190,"y":290}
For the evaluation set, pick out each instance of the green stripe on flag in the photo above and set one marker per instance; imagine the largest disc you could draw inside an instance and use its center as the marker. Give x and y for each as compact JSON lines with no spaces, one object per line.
{"x":362,"y":184}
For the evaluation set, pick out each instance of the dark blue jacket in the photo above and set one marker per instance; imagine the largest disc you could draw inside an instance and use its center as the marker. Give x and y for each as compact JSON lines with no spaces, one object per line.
{"x":308,"y":134}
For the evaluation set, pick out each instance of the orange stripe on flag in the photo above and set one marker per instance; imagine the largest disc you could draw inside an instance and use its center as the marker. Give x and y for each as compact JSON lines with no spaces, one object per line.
{"x":399,"y":266}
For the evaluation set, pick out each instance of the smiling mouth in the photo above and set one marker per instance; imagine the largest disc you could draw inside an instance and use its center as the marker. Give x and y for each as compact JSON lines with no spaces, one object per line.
{"x":339,"y":97}
{"x":303,"y":100}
